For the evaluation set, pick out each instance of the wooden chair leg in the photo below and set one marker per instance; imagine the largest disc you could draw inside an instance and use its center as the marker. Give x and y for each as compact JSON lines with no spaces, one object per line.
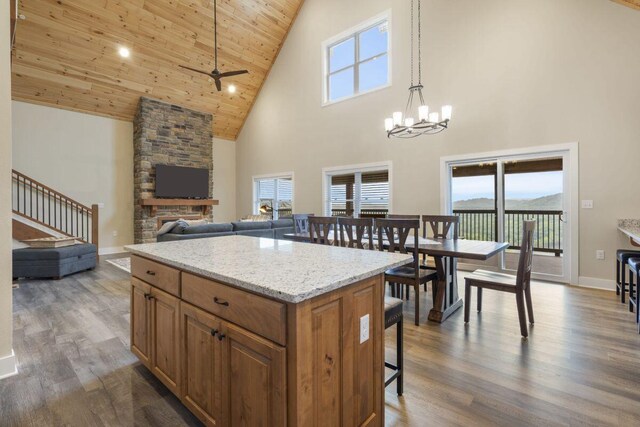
{"x":623,"y":286}
{"x":434,"y":291}
{"x":631,"y":291}
{"x":521,"y":314}
{"x":417,"y":302}
{"x":467,"y":301}
{"x":400,"y":359}
{"x":479,"y":300}
{"x":527,"y":296}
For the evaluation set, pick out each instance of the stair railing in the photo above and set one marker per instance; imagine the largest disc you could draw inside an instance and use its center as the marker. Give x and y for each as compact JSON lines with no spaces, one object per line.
{"x":50,"y":208}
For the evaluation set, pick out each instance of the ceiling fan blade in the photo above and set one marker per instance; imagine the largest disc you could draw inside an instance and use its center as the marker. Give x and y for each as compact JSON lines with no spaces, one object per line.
{"x":232,"y":73}
{"x":206,"y":73}
{"x":218,"y":84}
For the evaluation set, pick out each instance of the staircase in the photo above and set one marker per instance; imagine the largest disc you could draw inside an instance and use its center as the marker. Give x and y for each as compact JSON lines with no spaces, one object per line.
{"x":41,"y":211}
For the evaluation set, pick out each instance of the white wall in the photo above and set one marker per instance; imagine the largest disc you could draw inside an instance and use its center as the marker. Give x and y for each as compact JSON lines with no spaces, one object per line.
{"x":518,"y":73}
{"x":7,"y":361}
{"x":224,"y":180}
{"x":88,"y":158}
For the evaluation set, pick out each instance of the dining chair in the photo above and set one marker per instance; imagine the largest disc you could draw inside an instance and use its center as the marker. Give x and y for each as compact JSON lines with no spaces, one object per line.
{"x":356,"y":232}
{"x":321,"y":228}
{"x":442,"y":227}
{"x":394,"y":235}
{"x":399,"y":216}
{"x":520,"y":284}
{"x":301,"y":223}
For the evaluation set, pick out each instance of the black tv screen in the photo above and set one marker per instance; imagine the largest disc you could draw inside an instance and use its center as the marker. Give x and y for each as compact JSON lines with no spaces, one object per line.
{"x":178,"y":182}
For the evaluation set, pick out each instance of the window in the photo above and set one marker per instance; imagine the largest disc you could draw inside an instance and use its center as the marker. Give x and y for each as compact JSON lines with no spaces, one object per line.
{"x":361,"y":193}
{"x":273,"y":196}
{"x":357,"y":61}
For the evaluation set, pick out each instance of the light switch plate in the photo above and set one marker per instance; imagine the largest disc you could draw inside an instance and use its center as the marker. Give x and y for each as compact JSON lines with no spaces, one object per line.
{"x":364,"y":328}
{"x":587,"y":204}
{"x":101,"y":205}
{"x":599,"y":254}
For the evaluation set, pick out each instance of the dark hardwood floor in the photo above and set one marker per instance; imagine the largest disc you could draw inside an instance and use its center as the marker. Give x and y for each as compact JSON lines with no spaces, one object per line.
{"x":580,"y":365}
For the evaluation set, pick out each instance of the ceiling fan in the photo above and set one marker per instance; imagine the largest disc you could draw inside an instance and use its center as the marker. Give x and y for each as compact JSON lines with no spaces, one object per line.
{"x":216,"y":75}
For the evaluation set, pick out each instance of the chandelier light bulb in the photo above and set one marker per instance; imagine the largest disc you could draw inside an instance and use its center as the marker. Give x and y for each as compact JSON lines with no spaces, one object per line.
{"x":397,"y":118}
{"x":408,"y":122}
{"x":434,"y":117}
{"x":446,"y":112}
{"x":388,"y":124}
{"x":423,"y":112}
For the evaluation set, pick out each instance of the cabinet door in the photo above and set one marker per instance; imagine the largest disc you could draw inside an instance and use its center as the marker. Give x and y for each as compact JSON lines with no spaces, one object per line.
{"x":140,"y":321}
{"x":201,"y":364}
{"x":254,"y":377}
{"x":165,"y":338}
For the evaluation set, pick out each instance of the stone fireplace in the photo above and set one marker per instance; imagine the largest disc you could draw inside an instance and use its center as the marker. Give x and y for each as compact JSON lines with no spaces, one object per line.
{"x":167,"y":134}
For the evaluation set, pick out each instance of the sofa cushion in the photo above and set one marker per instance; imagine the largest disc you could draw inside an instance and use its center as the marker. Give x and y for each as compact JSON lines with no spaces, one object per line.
{"x":281,"y":223}
{"x":208,"y":228}
{"x":75,"y":251}
{"x":257,"y":233}
{"x":180,"y":226}
{"x":170,"y":237}
{"x":251,"y":225}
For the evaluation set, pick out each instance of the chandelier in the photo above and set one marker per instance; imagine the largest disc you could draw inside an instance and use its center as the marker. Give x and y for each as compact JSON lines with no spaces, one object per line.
{"x":404,"y":125}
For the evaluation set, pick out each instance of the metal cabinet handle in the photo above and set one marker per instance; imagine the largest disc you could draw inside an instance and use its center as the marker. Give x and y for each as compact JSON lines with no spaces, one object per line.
{"x":214,"y":332}
{"x":151,"y":273}
{"x":220,"y":301}
{"x":221,"y":336}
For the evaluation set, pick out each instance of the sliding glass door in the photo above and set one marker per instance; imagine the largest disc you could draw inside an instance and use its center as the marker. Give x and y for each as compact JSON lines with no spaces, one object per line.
{"x":493,"y":196}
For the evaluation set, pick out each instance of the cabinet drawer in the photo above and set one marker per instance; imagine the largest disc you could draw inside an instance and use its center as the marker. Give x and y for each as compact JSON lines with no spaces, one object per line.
{"x":159,"y":275}
{"x":260,"y":315}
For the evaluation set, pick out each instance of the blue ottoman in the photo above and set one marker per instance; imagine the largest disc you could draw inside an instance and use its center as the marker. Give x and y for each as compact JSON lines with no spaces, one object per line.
{"x":54,"y":262}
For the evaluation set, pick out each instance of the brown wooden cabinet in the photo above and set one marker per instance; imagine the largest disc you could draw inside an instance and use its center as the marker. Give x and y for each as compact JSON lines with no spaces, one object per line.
{"x":254,"y":379}
{"x":165,"y":338}
{"x":240,"y":359}
{"x":141,"y":321}
{"x":201,"y":364}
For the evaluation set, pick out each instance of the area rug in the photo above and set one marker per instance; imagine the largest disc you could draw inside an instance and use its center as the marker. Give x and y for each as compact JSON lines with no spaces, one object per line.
{"x":121,"y":263}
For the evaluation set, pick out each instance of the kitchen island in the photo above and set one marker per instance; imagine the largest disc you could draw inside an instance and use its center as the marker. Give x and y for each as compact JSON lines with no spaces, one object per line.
{"x":252,"y":331}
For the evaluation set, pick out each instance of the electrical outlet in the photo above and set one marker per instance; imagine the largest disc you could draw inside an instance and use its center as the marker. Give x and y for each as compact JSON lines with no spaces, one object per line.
{"x":599,"y":254}
{"x":587,"y":204}
{"x":364,"y":328}
{"x":115,"y":233}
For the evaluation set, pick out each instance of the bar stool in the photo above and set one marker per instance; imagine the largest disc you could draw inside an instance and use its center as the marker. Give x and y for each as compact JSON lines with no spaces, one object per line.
{"x":634,"y":269}
{"x":622,"y":258}
{"x":393,"y":316}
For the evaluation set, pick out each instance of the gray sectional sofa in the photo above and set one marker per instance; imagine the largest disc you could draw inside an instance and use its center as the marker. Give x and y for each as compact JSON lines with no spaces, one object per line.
{"x":275,"y":229}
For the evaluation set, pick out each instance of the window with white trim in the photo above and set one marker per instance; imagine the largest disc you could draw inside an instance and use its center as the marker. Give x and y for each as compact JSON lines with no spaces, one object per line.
{"x":273,"y":196}
{"x":358,"y":61}
{"x":361,"y":194}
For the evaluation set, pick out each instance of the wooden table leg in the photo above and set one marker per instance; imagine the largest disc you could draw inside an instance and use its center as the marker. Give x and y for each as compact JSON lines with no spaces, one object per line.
{"x":447,"y":299}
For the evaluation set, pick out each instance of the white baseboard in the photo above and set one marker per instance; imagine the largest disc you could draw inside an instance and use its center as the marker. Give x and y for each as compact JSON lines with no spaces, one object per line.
{"x":112,"y":250}
{"x":8,"y":367}
{"x":596,"y":283}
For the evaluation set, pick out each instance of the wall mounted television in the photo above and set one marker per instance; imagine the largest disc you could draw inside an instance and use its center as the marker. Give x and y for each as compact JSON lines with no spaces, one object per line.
{"x":177,"y":182}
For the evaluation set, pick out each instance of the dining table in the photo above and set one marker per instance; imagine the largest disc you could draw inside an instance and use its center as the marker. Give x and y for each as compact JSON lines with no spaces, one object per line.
{"x":445,"y":253}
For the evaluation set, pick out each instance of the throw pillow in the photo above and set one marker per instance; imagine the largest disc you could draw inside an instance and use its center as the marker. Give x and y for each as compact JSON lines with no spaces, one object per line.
{"x":166,"y":227}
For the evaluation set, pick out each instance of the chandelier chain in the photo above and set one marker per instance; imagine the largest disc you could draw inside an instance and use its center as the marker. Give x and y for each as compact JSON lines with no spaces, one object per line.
{"x":411,"y":49}
{"x":419,"y":45}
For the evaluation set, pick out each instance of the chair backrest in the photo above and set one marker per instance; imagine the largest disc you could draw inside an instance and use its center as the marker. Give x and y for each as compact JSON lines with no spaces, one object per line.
{"x":320,"y":228}
{"x":398,"y":216}
{"x":301,"y":223}
{"x":394,"y":234}
{"x":442,"y":226}
{"x":523,"y":277}
{"x":355,"y":231}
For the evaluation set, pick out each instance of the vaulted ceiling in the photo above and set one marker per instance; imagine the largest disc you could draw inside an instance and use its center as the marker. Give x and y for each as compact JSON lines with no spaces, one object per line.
{"x":631,"y":3}
{"x":66,"y":54}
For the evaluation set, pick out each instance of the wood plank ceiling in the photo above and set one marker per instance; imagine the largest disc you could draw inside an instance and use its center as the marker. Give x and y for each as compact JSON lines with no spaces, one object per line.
{"x":631,"y":3}
{"x":66,"y":54}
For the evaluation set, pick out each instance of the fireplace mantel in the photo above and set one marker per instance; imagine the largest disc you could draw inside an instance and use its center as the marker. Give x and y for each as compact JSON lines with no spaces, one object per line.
{"x":154,"y":203}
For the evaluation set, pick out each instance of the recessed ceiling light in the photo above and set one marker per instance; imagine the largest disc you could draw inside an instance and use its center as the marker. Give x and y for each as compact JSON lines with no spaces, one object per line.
{"x":124,"y":52}
{"x":232,"y":89}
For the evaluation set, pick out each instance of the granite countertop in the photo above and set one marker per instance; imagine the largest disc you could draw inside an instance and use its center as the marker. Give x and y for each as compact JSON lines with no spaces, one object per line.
{"x":630,"y":227}
{"x":281,"y":269}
